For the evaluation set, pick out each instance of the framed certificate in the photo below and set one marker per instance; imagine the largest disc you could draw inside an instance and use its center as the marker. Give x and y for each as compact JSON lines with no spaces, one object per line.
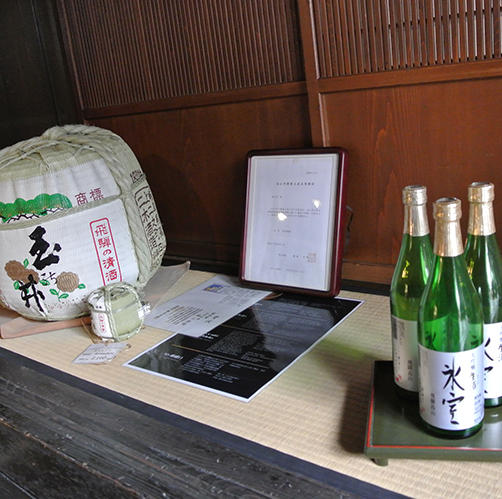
{"x":293,"y":229}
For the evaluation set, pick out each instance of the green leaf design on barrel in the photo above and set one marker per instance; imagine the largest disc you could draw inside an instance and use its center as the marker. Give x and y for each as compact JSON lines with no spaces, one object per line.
{"x":31,"y":208}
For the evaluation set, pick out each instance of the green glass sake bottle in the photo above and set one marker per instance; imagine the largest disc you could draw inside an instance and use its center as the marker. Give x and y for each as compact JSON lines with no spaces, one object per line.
{"x":450,"y":335}
{"x":408,"y":282}
{"x":484,"y":263}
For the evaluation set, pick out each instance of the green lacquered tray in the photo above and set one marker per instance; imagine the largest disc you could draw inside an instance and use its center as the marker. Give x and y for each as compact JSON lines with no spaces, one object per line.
{"x":394,"y":429}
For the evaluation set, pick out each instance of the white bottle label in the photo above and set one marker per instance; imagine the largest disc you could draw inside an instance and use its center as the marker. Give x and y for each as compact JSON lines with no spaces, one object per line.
{"x":493,"y":359}
{"x":405,"y":353}
{"x":451,"y":388}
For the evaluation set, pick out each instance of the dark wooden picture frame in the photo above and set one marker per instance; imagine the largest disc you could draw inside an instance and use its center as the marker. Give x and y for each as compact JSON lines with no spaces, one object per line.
{"x":336,"y":217}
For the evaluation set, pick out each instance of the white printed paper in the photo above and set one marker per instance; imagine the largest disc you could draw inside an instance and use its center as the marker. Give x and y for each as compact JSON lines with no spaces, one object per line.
{"x":204,"y":307}
{"x":100,"y":353}
{"x":290,"y":222}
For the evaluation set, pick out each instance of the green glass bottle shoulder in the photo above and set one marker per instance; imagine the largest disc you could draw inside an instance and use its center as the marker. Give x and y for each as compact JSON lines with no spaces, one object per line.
{"x":410,"y":276}
{"x":450,"y":317}
{"x":484,"y":264}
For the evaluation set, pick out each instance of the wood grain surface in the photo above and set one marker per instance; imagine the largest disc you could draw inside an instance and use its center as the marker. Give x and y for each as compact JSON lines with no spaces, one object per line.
{"x":60,"y":440}
{"x":408,"y":88}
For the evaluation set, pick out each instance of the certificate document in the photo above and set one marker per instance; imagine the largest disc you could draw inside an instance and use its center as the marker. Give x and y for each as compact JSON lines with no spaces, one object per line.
{"x":290,"y":220}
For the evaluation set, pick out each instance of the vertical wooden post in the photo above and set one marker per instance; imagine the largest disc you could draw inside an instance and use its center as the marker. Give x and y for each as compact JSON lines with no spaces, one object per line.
{"x":310,"y":58}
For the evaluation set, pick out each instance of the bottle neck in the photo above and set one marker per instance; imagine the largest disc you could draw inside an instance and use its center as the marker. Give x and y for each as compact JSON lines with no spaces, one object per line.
{"x":415,"y":220}
{"x":448,"y":238}
{"x":481,"y":219}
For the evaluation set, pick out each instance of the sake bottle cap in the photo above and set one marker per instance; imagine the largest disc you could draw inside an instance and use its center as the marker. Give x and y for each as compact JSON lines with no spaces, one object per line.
{"x":447,"y":209}
{"x":414,"y":194}
{"x":481,"y":192}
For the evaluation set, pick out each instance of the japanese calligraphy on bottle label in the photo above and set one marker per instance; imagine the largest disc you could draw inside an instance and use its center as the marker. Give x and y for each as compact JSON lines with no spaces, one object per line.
{"x":405,"y":353}
{"x":492,"y":334}
{"x":451,"y":388}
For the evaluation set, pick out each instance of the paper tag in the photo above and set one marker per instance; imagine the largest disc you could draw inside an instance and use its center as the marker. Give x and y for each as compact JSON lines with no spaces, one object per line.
{"x":405,"y":353}
{"x":144,"y":311}
{"x":451,"y":388}
{"x":99,"y":353}
{"x":493,"y":359}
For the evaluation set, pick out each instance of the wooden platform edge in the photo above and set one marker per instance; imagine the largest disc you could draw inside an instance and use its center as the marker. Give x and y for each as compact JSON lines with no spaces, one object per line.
{"x":65,"y":434}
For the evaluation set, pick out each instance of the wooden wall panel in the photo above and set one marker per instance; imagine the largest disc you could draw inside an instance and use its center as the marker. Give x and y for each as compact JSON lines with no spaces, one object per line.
{"x":125,"y":51}
{"x":409,"y":87}
{"x":368,"y":36}
{"x":192,"y":86}
{"x":194,"y":160}
{"x":442,"y":135}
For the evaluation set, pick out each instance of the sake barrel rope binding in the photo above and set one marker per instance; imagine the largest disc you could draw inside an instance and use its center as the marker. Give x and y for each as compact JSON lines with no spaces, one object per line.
{"x":76,"y":214}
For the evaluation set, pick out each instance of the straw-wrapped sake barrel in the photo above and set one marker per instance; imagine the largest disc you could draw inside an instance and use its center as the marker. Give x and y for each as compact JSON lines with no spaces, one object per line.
{"x":76,"y":213}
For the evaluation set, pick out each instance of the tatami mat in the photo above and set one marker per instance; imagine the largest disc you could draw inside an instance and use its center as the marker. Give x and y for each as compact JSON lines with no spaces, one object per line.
{"x":316,"y":410}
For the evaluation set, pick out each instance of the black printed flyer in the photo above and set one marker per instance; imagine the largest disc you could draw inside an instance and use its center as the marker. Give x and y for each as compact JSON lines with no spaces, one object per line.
{"x":247,"y":352}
